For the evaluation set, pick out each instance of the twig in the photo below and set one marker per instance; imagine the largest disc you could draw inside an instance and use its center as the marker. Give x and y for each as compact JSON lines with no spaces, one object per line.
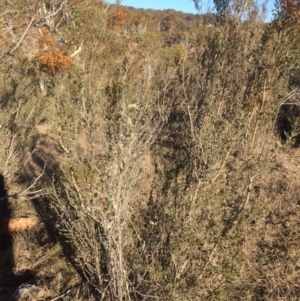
{"x":10,"y":153}
{"x":60,"y":296}
{"x":76,"y":187}
{"x":54,"y":13}
{"x":9,"y":11}
{"x":68,"y":290}
{"x":15,"y":196}
{"x":221,"y":168}
{"x":249,"y":190}
{"x":34,"y":183}
{"x":77,"y":51}
{"x":62,"y":146}
{"x":191,"y":121}
{"x":254,"y":134}
{"x":23,"y":36}
{"x":7,"y":2}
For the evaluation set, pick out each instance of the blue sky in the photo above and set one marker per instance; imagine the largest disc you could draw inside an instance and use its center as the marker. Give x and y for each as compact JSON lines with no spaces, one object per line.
{"x":182,"y":5}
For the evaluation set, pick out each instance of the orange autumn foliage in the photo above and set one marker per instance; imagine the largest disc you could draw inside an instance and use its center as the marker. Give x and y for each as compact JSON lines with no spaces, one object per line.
{"x":54,"y":61}
{"x":117,"y":19}
{"x":46,"y":38}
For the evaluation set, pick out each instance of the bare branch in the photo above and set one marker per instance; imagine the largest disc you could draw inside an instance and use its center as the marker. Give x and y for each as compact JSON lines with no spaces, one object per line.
{"x":9,"y":11}
{"x":77,"y":51}
{"x":23,"y":36}
{"x":34,"y":183}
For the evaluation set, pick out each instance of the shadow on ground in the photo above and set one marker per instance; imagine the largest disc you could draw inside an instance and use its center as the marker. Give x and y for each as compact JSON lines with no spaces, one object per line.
{"x":9,"y":281}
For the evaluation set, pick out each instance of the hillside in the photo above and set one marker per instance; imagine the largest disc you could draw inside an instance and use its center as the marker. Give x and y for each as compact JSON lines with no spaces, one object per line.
{"x":148,"y":155}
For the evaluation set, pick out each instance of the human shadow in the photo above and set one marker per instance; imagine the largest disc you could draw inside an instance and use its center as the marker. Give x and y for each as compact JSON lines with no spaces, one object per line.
{"x":6,"y":239}
{"x":8,"y":280}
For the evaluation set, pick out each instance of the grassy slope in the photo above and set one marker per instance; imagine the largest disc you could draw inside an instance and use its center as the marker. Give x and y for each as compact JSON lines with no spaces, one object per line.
{"x":154,"y":169}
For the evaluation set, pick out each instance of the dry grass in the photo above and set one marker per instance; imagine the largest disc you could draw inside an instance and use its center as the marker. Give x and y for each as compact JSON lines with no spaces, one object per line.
{"x":270,"y":249}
